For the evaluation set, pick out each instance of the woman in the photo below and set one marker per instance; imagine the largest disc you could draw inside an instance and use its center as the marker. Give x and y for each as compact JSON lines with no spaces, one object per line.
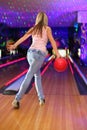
{"x":40,"y":33}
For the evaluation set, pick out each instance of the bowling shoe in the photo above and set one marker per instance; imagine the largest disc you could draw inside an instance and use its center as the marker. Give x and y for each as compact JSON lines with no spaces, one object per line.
{"x":41,"y":102}
{"x":15,"y":104}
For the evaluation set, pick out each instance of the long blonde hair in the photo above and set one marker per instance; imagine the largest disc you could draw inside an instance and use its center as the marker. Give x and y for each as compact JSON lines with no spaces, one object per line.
{"x":41,"y":20}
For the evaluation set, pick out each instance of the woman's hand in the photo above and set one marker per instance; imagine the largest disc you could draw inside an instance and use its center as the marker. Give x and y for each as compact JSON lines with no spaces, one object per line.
{"x":11,"y":47}
{"x":58,"y":56}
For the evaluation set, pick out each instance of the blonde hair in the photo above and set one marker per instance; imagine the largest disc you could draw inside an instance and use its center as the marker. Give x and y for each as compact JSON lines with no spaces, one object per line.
{"x":41,"y":18}
{"x":41,"y":21}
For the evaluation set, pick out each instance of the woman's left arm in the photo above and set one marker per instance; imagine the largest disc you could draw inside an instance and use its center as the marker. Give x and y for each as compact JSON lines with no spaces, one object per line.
{"x":22,"y":39}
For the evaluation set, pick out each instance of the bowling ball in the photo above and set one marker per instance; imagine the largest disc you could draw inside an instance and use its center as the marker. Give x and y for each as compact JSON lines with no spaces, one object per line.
{"x":60,"y":64}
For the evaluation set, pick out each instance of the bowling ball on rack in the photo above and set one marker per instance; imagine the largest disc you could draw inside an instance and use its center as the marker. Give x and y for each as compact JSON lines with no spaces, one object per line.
{"x":60,"y":64}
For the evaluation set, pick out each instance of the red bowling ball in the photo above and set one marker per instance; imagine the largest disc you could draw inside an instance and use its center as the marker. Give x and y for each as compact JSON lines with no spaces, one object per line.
{"x":60,"y":64}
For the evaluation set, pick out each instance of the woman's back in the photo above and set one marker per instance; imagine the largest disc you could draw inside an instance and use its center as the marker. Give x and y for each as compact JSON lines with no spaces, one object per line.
{"x":39,"y":42}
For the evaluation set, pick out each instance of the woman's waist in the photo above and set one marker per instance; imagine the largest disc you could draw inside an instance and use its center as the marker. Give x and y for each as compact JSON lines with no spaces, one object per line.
{"x":38,"y":51}
{"x":42,"y":49}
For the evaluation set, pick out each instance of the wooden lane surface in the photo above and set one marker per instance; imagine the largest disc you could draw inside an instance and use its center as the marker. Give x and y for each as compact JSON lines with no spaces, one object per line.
{"x":55,"y":83}
{"x":64,"y":109}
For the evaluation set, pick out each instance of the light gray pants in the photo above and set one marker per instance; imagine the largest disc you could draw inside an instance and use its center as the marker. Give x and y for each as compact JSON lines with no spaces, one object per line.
{"x":35,"y":59}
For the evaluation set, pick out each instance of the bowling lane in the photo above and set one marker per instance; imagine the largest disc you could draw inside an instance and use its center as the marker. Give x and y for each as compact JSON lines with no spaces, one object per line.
{"x":63,"y":109}
{"x":12,"y":87}
{"x":54,"y":83}
{"x":10,"y":71}
{"x":8,"y":58}
{"x":58,"y":83}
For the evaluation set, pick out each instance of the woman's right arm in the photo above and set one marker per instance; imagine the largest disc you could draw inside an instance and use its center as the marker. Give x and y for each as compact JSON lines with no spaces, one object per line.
{"x":53,"y":42}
